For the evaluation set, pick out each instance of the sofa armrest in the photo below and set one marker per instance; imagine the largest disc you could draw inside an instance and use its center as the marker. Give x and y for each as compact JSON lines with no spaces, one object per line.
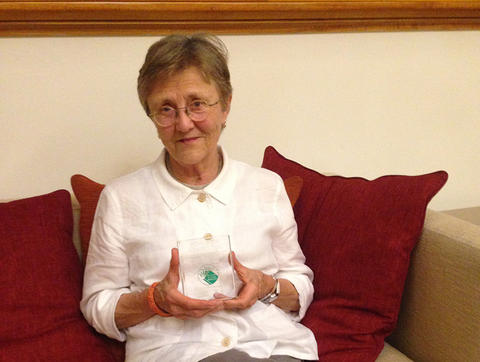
{"x":440,"y":315}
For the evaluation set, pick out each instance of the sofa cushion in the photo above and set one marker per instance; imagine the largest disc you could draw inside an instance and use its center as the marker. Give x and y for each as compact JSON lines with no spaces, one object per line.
{"x":41,"y":279}
{"x":293,"y":186}
{"x":357,"y":236}
{"x":88,"y":191}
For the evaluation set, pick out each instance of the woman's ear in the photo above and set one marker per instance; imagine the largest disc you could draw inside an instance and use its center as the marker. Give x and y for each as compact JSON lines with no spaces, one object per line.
{"x":227,"y":105}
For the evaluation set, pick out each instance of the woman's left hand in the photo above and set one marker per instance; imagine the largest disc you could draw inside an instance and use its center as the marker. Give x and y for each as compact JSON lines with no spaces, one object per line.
{"x":255,"y":285}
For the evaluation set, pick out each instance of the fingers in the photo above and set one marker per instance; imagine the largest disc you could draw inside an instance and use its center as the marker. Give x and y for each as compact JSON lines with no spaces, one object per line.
{"x":221,"y":296}
{"x":174,"y":261}
{"x":236,"y":264}
{"x":173,"y":272}
{"x":248,"y":295}
{"x":183,"y":307}
{"x":245,"y":299}
{"x":178,"y":304}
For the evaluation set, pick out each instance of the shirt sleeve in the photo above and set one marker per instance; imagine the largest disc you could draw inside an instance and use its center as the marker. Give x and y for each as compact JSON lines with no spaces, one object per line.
{"x":106,"y":271}
{"x":288,"y":253}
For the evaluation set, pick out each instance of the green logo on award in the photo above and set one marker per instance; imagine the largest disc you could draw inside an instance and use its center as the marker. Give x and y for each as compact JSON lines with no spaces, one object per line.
{"x":207,"y":275}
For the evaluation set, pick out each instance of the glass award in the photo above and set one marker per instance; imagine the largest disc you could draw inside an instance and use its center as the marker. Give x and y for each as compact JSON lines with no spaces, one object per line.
{"x":205,"y":268}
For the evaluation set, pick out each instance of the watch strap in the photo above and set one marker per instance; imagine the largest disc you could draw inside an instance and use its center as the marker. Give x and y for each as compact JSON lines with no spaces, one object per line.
{"x":273,"y":295}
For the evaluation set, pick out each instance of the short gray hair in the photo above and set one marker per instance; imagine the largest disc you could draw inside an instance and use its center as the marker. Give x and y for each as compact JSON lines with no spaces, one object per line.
{"x":175,"y":53}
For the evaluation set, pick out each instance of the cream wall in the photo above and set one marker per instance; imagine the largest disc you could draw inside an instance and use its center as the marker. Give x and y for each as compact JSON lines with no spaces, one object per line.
{"x":363,"y":104}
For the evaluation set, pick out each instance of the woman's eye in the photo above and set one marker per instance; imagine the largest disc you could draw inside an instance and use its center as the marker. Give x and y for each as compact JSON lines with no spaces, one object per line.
{"x":197,"y":104}
{"x":166,"y":109}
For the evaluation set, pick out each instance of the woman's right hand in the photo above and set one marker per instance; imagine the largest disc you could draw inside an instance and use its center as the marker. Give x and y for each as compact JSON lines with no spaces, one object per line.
{"x":168,"y":298}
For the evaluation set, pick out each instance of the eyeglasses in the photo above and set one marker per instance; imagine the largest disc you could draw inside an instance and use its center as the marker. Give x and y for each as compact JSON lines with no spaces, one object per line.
{"x":197,"y":111}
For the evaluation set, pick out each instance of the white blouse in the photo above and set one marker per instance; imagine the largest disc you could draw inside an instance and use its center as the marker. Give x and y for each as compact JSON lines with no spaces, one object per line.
{"x":138,"y":221}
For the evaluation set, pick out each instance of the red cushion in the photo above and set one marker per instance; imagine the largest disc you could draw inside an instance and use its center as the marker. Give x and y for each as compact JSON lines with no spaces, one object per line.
{"x":357,"y":236}
{"x":87,"y":193}
{"x":41,"y":279}
{"x":293,"y":186}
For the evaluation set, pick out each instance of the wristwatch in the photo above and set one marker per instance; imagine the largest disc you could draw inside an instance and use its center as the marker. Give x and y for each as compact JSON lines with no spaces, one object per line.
{"x":273,"y":295}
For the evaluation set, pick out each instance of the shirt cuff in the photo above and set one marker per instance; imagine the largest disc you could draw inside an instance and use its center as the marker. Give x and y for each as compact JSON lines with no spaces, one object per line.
{"x":305,"y":294}
{"x":102,"y":313}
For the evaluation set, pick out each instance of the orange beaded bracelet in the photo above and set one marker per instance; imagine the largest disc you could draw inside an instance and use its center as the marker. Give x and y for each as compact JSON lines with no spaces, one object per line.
{"x":151,"y":302}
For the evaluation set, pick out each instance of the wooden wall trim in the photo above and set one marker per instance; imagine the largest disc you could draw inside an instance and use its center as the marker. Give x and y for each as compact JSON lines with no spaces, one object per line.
{"x":57,"y":18}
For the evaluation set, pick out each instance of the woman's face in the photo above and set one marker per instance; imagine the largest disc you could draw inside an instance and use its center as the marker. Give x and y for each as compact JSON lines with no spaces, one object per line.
{"x":189,"y":143}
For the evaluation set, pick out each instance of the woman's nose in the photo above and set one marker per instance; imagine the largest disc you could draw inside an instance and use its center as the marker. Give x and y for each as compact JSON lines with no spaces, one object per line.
{"x":183,"y":122}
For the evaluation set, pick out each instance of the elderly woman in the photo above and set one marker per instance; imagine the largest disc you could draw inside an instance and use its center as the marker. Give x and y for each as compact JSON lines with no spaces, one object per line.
{"x":131,"y":286}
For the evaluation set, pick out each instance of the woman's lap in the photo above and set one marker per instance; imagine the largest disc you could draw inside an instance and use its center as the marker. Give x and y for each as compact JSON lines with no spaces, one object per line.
{"x":234,"y":355}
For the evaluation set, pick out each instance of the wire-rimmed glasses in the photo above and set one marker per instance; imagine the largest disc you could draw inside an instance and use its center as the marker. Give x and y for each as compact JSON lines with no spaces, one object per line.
{"x":197,"y":111}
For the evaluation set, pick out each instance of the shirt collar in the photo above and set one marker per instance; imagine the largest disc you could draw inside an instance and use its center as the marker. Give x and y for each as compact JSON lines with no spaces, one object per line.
{"x":175,"y":193}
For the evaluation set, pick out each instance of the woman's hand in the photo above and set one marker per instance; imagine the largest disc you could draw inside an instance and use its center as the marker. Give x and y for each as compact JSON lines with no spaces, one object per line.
{"x":132,"y":308}
{"x":168,"y":298}
{"x":255,"y":286}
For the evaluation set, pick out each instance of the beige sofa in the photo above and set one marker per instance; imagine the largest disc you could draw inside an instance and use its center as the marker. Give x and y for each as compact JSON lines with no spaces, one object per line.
{"x":440,"y":314}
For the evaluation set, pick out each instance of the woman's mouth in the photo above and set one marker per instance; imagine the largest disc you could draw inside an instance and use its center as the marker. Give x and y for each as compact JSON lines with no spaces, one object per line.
{"x":188,"y":140}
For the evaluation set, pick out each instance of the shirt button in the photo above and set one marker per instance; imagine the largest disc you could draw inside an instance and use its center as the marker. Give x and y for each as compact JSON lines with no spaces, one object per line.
{"x":202,"y":197}
{"x":207,"y":236}
{"x":226,"y":342}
